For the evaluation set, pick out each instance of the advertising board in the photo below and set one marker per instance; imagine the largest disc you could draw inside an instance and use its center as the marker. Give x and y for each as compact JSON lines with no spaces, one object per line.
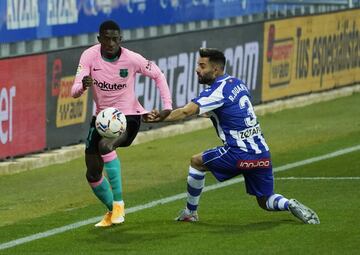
{"x":312,"y":53}
{"x":22,"y":105}
{"x":22,"y":20}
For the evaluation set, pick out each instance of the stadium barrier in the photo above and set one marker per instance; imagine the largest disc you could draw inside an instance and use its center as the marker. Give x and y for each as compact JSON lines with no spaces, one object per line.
{"x":32,"y":20}
{"x":277,"y":59}
{"x":22,"y":105}
{"x":313,"y":53}
{"x":69,"y":153}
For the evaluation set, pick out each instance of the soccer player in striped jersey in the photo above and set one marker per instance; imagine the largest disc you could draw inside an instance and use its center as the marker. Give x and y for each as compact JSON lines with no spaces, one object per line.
{"x":244,"y":150}
{"x":109,"y":70}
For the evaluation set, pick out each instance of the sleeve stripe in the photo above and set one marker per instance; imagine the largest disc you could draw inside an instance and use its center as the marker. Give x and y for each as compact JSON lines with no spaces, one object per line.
{"x":213,"y":101}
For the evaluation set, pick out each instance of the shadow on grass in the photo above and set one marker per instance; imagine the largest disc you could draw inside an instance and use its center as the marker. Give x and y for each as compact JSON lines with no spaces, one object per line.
{"x":163,"y":231}
{"x":240,"y":228}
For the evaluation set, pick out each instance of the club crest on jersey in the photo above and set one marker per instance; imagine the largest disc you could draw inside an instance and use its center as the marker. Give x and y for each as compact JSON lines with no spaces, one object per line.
{"x":124,"y":73}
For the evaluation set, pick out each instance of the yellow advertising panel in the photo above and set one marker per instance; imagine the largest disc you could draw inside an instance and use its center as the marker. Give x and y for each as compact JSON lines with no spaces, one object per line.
{"x":69,"y":110}
{"x":311,"y":54}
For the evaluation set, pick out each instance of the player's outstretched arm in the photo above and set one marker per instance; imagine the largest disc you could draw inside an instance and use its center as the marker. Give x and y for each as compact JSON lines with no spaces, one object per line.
{"x":183,"y":112}
{"x":177,"y":114}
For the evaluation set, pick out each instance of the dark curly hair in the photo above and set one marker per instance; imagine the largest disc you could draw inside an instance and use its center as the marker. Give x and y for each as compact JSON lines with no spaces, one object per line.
{"x":109,"y":25}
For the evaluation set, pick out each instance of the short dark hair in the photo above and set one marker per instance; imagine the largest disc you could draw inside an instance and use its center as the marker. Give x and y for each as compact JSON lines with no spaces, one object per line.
{"x":108,"y":25}
{"x":216,"y":56}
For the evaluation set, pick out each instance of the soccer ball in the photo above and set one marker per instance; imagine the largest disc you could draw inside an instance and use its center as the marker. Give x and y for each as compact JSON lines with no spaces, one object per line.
{"x":110,"y":122}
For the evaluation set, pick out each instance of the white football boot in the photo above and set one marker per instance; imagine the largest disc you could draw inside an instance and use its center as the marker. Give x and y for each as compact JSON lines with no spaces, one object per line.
{"x":187,"y":216}
{"x":303,"y":213}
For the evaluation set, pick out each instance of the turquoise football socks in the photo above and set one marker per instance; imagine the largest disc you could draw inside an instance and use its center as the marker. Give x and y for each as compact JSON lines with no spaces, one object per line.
{"x":113,"y":170}
{"x":103,"y":192}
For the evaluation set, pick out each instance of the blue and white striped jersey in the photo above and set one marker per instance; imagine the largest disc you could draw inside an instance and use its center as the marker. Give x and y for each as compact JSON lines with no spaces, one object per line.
{"x":228,"y":102}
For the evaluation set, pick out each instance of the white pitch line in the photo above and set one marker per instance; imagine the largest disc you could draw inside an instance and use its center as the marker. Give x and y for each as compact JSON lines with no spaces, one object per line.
{"x":320,"y":178}
{"x":166,"y":200}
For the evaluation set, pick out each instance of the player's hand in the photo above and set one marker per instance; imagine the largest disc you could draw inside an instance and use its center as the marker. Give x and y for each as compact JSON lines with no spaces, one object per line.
{"x":151,"y":116}
{"x":87,"y":82}
{"x":156,"y":116}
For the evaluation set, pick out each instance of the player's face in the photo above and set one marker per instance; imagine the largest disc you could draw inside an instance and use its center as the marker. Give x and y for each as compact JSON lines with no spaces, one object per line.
{"x":205,"y":71}
{"x":110,"y":43}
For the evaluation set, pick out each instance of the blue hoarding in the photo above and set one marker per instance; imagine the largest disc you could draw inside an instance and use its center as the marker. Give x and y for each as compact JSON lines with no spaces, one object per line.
{"x":22,"y":20}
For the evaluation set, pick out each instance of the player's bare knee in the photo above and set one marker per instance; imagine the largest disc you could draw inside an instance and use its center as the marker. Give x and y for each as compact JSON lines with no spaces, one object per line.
{"x":93,"y":176}
{"x":196,"y":162}
{"x":105,"y":146}
{"x":126,"y":143}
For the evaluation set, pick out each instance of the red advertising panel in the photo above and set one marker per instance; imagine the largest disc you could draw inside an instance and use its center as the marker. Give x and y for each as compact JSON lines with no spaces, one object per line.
{"x":22,"y":105}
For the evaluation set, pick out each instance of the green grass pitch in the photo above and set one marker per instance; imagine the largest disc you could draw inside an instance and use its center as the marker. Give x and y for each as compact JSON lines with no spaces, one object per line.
{"x":230,"y":221}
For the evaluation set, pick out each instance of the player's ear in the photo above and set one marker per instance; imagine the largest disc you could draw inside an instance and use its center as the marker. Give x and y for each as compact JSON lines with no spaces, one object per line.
{"x":99,"y":38}
{"x":215,"y":68}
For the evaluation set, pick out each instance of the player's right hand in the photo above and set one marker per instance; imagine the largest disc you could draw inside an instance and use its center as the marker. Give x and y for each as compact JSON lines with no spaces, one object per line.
{"x":156,"y":115}
{"x":87,"y":82}
{"x":152,"y":116}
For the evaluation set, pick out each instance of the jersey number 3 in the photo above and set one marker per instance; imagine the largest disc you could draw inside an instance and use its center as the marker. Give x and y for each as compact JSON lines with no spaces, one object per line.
{"x":245,"y":103}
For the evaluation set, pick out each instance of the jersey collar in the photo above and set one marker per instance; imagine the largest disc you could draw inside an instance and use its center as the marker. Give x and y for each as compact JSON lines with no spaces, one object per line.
{"x":221,"y":78}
